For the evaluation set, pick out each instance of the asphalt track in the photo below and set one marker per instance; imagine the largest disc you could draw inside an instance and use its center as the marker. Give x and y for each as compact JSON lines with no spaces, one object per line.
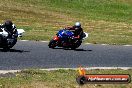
{"x":32,"y":54}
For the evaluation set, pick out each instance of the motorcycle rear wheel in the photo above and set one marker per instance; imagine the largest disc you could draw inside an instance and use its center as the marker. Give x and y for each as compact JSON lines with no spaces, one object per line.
{"x":76,"y":45}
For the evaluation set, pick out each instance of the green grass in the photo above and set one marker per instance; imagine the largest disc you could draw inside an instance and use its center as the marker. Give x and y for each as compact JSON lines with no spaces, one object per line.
{"x":56,"y":79}
{"x":107,"y":21}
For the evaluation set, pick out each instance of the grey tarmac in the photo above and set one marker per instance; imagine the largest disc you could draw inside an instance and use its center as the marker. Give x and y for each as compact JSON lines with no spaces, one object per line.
{"x":35,"y":54}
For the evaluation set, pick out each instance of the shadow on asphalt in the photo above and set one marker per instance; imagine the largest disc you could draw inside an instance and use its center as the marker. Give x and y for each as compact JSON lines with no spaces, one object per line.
{"x":74,"y":50}
{"x":13,"y":50}
{"x":81,"y":50}
{"x":58,"y":48}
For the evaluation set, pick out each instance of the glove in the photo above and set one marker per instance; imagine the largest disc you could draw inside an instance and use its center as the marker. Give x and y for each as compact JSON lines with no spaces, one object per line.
{"x":14,"y":35}
{"x":77,"y":37}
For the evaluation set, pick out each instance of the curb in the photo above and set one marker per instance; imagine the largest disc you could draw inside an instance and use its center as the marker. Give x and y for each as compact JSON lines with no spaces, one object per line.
{"x":9,"y":71}
{"x":90,"y":68}
{"x":84,"y":43}
{"x":51,"y":69}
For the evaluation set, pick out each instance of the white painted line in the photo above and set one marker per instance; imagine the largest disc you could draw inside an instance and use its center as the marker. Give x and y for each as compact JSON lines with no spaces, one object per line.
{"x":84,"y":43}
{"x":24,"y":40}
{"x":88,"y":43}
{"x":127,"y":45}
{"x":50,"y":69}
{"x":124,"y":68}
{"x":89,"y":68}
{"x":8,"y":71}
{"x":104,"y":44}
{"x":44,"y":41}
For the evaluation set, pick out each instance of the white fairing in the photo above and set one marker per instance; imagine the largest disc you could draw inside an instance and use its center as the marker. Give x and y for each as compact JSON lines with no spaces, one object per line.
{"x":4,"y":33}
{"x":85,"y":35}
{"x":20,"y":32}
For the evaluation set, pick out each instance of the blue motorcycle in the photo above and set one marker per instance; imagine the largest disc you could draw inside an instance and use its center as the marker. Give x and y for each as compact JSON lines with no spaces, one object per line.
{"x":65,"y":38}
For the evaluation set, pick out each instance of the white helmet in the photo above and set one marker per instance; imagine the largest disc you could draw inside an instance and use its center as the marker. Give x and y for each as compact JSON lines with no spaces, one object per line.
{"x":78,"y":24}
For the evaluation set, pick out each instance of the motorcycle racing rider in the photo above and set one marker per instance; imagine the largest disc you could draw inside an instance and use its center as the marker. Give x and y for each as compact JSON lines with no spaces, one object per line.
{"x":10,"y":28}
{"x":77,"y":30}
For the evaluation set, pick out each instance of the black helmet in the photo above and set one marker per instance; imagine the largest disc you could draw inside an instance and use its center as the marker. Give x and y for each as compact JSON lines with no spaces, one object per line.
{"x":8,"y":24}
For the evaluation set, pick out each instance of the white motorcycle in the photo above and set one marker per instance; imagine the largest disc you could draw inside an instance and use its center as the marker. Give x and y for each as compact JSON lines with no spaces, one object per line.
{"x":7,"y":43}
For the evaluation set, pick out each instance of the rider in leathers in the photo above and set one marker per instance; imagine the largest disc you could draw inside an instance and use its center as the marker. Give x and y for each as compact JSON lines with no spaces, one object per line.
{"x":10,"y":28}
{"x":77,"y":30}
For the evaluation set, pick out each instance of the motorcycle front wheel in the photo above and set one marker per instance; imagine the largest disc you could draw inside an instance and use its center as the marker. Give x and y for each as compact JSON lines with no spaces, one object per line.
{"x":8,"y":44}
{"x":52,"y":44}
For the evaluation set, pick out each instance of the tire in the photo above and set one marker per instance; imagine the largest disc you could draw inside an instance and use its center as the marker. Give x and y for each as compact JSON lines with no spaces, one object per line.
{"x":5,"y":46}
{"x":76,"y":45}
{"x":73,"y":48}
{"x":81,"y":80}
{"x":52,"y":44}
{"x":5,"y":49}
{"x":14,"y":42}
